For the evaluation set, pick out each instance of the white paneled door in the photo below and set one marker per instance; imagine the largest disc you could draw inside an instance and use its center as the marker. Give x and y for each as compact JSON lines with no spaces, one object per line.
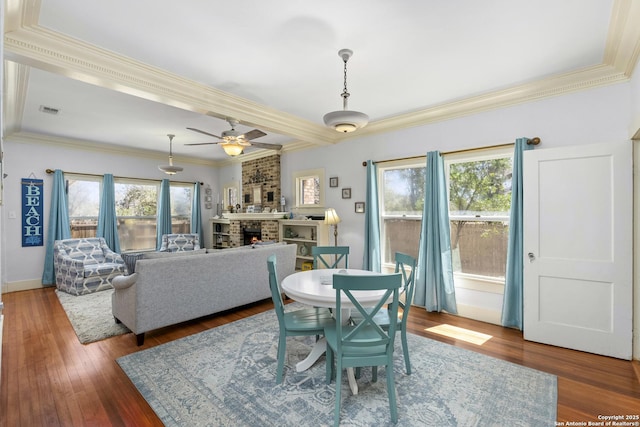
{"x":578,"y":211}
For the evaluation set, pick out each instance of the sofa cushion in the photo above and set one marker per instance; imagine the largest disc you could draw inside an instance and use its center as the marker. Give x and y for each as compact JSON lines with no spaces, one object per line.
{"x":156,"y":255}
{"x":258,"y":245}
{"x":87,"y":250}
{"x":102,"y":269}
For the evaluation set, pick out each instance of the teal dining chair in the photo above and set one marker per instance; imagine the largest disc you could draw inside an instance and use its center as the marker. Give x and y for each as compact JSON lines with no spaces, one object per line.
{"x":330,"y":256}
{"x":303,"y":322}
{"x":366,"y":343}
{"x":405,"y":265}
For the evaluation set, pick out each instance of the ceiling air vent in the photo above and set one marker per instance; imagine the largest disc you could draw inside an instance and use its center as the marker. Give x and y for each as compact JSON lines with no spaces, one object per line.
{"x":49,"y":110}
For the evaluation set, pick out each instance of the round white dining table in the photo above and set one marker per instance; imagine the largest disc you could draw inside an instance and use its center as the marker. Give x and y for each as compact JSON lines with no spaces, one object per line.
{"x":315,"y":287}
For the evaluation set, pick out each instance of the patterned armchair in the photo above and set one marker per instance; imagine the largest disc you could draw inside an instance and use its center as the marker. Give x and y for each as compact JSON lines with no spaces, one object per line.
{"x":180,"y":242}
{"x":84,"y":266}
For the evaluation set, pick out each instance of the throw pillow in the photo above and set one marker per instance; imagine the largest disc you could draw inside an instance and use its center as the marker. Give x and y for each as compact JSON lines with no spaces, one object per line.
{"x":130,"y":261}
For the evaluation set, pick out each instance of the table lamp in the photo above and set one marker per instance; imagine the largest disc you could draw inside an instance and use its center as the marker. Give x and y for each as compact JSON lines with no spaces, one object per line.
{"x":332,"y":218}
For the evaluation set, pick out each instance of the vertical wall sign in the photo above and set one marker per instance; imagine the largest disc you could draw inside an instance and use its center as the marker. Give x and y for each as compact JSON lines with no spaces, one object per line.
{"x":32,"y":219}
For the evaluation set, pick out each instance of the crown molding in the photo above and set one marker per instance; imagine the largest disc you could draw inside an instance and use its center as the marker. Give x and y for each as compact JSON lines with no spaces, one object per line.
{"x":622,"y":49}
{"x":16,"y":77}
{"x":27,"y":43}
{"x":100,"y":148}
{"x":51,"y":51}
{"x":597,"y":76}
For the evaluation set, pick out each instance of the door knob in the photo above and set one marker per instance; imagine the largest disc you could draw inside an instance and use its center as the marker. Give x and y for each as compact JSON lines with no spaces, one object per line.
{"x":532,"y":257}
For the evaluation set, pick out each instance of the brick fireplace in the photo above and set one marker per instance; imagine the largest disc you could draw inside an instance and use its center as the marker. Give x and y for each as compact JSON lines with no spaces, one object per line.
{"x":265,"y":173}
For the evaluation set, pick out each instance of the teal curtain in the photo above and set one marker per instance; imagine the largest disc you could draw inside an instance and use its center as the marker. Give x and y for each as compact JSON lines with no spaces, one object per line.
{"x":514,"y":279}
{"x":372,"y":259}
{"x":59,"y":227}
{"x":196,"y":213}
{"x":164,"y":212}
{"x":107,"y":220}
{"x":434,"y":280}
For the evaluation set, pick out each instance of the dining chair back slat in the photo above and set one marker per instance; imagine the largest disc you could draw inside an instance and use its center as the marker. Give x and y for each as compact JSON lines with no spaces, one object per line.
{"x":406,"y":265}
{"x":330,"y":256}
{"x":365,"y":343}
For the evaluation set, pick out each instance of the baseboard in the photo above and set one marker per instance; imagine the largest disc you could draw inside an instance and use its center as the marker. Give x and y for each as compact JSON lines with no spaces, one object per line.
{"x":1,"y":332}
{"x":22,"y":285}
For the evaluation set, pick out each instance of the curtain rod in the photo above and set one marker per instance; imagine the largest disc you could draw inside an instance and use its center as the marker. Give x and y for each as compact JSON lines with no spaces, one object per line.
{"x":532,"y":141}
{"x":50,"y":171}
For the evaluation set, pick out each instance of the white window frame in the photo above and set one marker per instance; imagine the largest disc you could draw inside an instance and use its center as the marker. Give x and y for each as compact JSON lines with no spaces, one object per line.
{"x":465,"y":280}
{"x":298,"y":178}
{"x":418,"y":162}
{"x":86,"y":178}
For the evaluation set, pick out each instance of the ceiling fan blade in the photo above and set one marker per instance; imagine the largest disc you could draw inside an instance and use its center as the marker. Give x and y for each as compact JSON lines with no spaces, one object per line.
{"x":204,"y":143}
{"x":205,"y":133}
{"x":253,"y":134}
{"x":267,"y":146}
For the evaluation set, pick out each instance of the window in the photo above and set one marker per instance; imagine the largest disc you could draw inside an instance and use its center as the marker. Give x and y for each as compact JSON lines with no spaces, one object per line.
{"x":479,"y":184}
{"x":309,"y":188}
{"x":84,"y":205}
{"x":401,"y":199}
{"x":136,"y":208}
{"x":181,"y":195}
{"x":230,"y":195}
{"x":479,"y":203}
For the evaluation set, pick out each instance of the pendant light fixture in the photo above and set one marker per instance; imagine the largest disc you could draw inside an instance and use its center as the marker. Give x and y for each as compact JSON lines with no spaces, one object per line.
{"x":170,"y":169}
{"x":345,"y":120}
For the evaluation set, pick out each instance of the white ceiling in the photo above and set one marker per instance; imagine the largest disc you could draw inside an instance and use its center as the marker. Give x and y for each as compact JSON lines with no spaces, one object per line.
{"x":129,"y":72}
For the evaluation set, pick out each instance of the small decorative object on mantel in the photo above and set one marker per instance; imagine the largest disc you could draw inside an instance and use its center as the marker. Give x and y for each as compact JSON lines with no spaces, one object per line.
{"x":333,"y":181}
{"x":359,"y":207}
{"x":346,"y":193}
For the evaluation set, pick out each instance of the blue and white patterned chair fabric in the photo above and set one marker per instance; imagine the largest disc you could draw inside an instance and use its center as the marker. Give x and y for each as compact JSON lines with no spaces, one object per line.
{"x":84,"y":266}
{"x":180,"y":242}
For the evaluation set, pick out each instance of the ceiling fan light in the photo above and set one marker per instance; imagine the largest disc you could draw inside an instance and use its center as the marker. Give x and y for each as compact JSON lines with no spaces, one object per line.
{"x":232,"y":149}
{"x":345,"y":120}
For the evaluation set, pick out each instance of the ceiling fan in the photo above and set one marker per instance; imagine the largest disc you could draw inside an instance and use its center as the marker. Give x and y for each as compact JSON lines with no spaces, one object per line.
{"x":234,"y":142}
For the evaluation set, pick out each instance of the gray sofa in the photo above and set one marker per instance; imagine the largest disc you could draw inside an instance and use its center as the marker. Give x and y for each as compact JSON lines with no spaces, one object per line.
{"x":167,"y":288}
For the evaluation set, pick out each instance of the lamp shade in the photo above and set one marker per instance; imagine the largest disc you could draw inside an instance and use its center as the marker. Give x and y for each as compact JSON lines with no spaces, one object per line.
{"x":170,"y":169}
{"x":331,"y":217}
{"x":345,"y":120}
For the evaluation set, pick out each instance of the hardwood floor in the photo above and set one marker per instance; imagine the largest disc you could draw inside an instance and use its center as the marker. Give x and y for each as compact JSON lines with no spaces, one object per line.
{"x":50,"y":379}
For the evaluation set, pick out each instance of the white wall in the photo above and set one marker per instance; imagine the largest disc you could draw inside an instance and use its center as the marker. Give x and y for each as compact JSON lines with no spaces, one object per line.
{"x":634,"y":130}
{"x":593,"y":116}
{"x":23,"y":266}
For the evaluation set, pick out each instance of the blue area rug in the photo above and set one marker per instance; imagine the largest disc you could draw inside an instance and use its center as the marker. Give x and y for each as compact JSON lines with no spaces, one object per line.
{"x":226,"y":377}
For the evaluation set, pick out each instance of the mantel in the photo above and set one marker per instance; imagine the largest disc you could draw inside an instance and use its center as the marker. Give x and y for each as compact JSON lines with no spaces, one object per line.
{"x":255,"y":216}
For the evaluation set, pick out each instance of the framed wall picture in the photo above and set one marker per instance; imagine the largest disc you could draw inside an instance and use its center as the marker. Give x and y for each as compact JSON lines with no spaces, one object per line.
{"x":346,"y":193}
{"x":333,"y":181}
{"x":359,"y":207}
